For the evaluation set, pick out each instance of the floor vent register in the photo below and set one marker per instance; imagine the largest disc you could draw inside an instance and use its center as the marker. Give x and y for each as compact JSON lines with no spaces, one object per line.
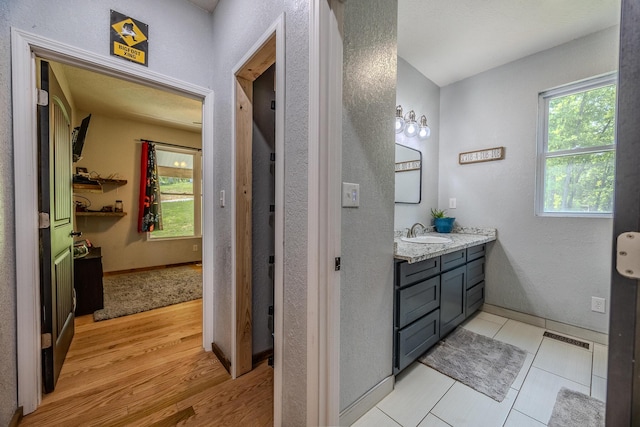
{"x":566,"y":339}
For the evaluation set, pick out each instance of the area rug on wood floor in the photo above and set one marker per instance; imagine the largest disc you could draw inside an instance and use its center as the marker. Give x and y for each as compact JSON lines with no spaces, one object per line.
{"x":131,"y":293}
{"x":484,"y":364}
{"x":573,"y":408}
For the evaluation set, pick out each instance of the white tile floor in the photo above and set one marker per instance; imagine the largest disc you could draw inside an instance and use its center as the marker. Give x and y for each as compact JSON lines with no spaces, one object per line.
{"x":424,"y":397}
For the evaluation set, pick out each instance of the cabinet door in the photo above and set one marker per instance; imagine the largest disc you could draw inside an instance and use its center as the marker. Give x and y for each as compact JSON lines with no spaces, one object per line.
{"x":453,"y":287}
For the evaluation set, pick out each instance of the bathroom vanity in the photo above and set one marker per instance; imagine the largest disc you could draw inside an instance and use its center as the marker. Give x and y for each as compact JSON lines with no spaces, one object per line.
{"x":436,"y":287}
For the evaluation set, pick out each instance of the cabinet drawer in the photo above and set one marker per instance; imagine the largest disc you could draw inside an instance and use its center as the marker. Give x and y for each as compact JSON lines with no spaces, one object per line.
{"x":416,"y":272}
{"x":475,"y":272}
{"x":415,"y":339}
{"x":475,"y":298}
{"x":454,"y":259}
{"x":475,"y":252}
{"x":417,"y":300}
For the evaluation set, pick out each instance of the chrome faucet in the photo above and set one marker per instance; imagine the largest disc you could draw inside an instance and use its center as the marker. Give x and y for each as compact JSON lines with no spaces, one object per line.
{"x":412,"y":230}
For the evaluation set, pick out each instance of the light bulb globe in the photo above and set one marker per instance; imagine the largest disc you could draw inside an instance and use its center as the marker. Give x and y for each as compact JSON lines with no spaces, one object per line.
{"x":399,"y":124}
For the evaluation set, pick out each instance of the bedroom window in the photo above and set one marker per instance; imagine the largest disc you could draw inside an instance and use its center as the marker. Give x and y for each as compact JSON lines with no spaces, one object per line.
{"x":179,"y":173}
{"x":576,"y":149}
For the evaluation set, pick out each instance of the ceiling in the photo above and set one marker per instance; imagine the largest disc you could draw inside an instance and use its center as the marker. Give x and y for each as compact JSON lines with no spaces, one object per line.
{"x":207,"y":5}
{"x":448,"y":41}
{"x":445,"y":40}
{"x":100,"y":94}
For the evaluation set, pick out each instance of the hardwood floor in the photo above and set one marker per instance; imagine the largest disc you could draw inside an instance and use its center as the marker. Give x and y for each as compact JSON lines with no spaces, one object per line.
{"x":149,"y":369}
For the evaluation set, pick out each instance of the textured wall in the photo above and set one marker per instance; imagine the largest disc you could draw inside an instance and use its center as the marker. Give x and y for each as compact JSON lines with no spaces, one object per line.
{"x":549,"y":267}
{"x":8,"y":379}
{"x":111,"y":147}
{"x":418,"y":93}
{"x":368,"y":152}
{"x":175,"y":27}
{"x":237,"y":25}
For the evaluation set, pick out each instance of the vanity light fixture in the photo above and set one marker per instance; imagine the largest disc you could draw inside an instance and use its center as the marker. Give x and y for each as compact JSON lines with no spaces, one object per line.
{"x":410,"y":126}
{"x":424,"y":131}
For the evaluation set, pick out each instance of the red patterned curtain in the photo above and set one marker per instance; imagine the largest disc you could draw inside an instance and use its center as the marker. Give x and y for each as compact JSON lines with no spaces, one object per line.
{"x":149,"y":212}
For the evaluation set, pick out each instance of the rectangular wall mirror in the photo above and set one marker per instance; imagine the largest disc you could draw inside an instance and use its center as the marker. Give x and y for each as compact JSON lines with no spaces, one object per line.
{"x":408,"y":175}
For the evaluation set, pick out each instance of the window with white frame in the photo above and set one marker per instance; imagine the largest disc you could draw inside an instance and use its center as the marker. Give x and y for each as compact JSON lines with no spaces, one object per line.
{"x":179,"y":174}
{"x":576,"y":149}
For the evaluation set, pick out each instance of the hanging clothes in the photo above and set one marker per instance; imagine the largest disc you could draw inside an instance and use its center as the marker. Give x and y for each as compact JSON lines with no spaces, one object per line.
{"x":149,"y":212}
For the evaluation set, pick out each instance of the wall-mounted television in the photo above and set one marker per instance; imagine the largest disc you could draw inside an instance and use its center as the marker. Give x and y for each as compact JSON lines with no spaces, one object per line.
{"x":79,"y":135}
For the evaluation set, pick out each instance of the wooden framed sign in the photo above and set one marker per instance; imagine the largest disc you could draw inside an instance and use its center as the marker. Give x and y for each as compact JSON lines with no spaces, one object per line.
{"x":478,"y":156}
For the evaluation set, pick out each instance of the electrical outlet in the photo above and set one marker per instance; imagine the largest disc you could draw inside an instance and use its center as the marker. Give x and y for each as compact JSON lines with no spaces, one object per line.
{"x":195,"y":248}
{"x":452,"y":203}
{"x":598,"y":304}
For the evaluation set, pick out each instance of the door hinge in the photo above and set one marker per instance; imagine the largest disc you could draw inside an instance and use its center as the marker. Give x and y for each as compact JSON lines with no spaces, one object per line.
{"x":43,"y":220}
{"x":43,"y":98}
{"x":45,"y":341}
{"x":628,"y":254}
{"x":337,"y":264}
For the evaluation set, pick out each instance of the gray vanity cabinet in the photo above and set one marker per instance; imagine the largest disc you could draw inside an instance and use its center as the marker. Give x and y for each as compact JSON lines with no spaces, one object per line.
{"x":431,"y":298}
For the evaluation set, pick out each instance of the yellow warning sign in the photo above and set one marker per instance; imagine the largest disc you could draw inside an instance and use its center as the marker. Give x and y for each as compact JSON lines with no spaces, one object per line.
{"x":129,"y":53}
{"x":129,"y":32}
{"x":129,"y":38}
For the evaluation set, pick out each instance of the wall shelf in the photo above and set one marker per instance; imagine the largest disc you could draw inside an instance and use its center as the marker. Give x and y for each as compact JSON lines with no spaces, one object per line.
{"x":120,"y":214}
{"x":99,"y":187}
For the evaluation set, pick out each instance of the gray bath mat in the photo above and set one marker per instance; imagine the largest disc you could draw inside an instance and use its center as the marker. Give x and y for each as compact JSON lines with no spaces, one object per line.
{"x":484,"y":364}
{"x":576,"y":409}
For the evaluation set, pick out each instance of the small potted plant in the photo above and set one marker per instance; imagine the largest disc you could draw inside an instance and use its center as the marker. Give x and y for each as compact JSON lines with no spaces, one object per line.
{"x":441,"y":221}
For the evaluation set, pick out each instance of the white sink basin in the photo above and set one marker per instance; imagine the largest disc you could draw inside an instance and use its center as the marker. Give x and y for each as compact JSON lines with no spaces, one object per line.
{"x":426,"y":239}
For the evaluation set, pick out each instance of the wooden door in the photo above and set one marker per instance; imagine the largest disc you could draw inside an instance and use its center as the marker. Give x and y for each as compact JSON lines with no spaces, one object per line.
{"x":56,"y":238}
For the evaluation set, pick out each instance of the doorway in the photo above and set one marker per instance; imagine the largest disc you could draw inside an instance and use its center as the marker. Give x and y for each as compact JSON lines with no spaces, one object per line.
{"x":26,"y":45}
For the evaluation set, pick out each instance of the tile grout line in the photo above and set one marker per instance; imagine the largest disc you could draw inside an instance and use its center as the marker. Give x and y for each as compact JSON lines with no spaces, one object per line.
{"x":387,"y":415}
{"x":436,"y":404}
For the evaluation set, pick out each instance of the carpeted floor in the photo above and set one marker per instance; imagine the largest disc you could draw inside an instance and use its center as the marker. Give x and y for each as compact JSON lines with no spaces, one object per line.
{"x":484,"y":364}
{"x":576,"y":409}
{"x":131,"y":293}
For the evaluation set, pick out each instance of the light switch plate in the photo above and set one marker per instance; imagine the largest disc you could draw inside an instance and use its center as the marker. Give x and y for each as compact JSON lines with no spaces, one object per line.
{"x":350,"y":195}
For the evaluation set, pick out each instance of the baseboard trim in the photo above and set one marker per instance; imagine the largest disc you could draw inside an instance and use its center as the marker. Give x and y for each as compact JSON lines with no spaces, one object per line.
{"x":367,"y":401}
{"x":17,"y":417}
{"x":552,"y":325}
{"x":259,"y":357}
{"x":226,"y":363}
{"x":155,"y":267}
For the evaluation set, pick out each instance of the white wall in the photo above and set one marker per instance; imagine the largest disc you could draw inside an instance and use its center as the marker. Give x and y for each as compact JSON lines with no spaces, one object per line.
{"x":175,"y":28}
{"x":549,"y":267}
{"x":369,"y":91}
{"x":111,"y":148}
{"x":418,"y":93}
{"x":237,"y":25}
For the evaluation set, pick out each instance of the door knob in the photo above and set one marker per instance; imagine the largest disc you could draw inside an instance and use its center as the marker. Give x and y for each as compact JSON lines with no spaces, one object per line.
{"x":75,"y":234}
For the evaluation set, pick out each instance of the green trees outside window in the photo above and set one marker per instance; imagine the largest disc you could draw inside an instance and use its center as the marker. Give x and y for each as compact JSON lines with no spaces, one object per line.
{"x":576,"y":158}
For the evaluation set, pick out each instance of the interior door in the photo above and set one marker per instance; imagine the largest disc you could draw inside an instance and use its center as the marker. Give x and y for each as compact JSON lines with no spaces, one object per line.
{"x":623,"y":383}
{"x":56,"y":238}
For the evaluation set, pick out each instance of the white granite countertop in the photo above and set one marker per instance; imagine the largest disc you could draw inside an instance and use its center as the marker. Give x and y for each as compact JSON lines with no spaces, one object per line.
{"x":461,"y":238}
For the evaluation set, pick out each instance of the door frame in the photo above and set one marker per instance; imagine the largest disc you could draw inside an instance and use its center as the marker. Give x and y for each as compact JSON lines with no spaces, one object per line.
{"x":324,"y":211}
{"x":25,"y":47}
{"x":256,"y":60}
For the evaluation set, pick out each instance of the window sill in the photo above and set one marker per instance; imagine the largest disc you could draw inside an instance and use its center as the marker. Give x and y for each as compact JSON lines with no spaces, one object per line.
{"x":164,"y":239}
{"x":573,"y":215}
